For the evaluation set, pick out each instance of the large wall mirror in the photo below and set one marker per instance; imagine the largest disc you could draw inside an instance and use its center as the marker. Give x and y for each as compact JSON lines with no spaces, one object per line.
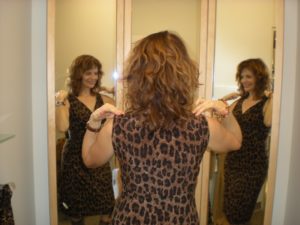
{"x":243,"y":30}
{"x":79,"y":28}
{"x":218,"y":34}
{"x":186,"y":18}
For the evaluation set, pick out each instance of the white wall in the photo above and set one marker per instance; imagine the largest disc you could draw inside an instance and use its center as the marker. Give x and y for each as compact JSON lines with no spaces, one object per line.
{"x":16,"y":154}
{"x":293,"y":198}
{"x":286,"y":199}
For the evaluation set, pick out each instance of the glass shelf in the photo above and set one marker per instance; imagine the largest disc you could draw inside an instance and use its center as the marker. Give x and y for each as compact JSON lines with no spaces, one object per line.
{"x":5,"y":137}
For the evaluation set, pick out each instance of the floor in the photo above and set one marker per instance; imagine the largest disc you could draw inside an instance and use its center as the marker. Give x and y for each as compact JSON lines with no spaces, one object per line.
{"x":258,"y":218}
{"x":90,"y":220}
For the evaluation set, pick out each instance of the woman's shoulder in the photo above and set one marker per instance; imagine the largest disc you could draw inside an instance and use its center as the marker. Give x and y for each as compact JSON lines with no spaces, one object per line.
{"x":125,"y":117}
{"x":71,"y":97}
{"x":106,"y":99}
{"x":125,"y":122}
{"x":199,"y":121}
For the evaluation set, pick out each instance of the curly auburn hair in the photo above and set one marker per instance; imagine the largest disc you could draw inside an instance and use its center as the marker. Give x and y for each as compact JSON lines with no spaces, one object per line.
{"x":260,"y":72}
{"x":78,"y":67}
{"x":161,"y":79}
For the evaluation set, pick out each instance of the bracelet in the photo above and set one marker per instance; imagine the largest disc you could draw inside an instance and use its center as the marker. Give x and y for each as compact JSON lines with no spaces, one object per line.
{"x":222,"y":100}
{"x":226,"y":107}
{"x":95,"y":130}
{"x":59,"y":103}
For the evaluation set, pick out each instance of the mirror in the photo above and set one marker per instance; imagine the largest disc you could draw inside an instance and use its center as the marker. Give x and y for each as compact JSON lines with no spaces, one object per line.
{"x":183,"y":17}
{"x":195,"y":22}
{"x":243,"y":30}
{"x":83,"y":28}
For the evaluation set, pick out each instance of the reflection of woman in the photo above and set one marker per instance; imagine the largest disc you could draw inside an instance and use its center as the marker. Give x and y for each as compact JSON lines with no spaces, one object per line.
{"x":246,"y":169}
{"x":158,"y":141}
{"x":83,"y":191}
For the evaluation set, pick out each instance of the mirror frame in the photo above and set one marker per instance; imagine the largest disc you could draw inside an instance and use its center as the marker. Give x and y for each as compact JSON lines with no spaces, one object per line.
{"x":206,"y":64}
{"x":279,"y":24}
{"x":51,"y":111}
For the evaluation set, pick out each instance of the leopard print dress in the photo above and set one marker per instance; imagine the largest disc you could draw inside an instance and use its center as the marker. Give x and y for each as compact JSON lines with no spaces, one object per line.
{"x":246,"y":169}
{"x":83,"y":191}
{"x":159,"y":171}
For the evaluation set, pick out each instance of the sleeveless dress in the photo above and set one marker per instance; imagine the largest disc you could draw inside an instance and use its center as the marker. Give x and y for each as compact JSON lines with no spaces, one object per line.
{"x":83,"y":191}
{"x":159,"y":171}
{"x":246,"y":169}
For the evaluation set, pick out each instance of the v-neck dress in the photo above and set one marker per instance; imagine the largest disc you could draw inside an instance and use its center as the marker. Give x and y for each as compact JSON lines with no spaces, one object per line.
{"x":83,"y":191}
{"x":246,"y":169}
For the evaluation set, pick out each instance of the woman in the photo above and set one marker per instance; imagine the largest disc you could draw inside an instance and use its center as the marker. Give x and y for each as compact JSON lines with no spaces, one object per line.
{"x":83,"y":192}
{"x":158,"y":141}
{"x":246,"y":169}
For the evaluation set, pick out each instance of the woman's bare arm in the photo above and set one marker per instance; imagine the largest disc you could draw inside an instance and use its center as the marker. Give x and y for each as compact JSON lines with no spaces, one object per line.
{"x":62,"y":111}
{"x":226,"y":135}
{"x":267,"y":111}
{"x":97,"y":148}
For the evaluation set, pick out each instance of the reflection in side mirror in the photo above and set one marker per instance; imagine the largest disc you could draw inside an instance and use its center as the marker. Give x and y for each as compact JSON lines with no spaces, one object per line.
{"x":232,"y":183}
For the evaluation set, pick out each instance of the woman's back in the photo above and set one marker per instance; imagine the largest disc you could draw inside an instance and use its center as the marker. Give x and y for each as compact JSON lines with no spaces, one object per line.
{"x":159,"y":169}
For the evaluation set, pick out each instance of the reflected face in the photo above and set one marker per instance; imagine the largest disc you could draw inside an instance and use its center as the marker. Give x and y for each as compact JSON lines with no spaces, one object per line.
{"x":248,"y":80}
{"x":90,"y":78}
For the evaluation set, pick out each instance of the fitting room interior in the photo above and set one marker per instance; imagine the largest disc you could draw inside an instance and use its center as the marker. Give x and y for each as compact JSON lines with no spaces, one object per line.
{"x":34,"y":59}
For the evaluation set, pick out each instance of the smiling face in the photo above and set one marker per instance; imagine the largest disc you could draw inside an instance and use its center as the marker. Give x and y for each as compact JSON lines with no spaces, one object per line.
{"x":248,"y":81}
{"x":252,"y":77}
{"x":90,"y":78}
{"x":85,"y":74}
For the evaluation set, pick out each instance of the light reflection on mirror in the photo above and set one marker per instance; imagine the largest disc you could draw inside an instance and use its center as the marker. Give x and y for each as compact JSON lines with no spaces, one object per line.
{"x":84,"y":27}
{"x":244,"y":29}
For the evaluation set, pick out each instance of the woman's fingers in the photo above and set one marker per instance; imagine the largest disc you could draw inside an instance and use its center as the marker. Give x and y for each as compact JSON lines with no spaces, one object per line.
{"x":62,"y":94}
{"x":200,"y":101}
{"x":203,"y":106}
{"x":111,"y":109}
{"x":106,"y":111}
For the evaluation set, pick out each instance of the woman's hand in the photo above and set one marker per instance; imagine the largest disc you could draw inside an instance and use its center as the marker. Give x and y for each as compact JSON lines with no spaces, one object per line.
{"x":104,"y":112}
{"x":61,"y":96}
{"x":268,"y":93}
{"x":203,"y":105}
